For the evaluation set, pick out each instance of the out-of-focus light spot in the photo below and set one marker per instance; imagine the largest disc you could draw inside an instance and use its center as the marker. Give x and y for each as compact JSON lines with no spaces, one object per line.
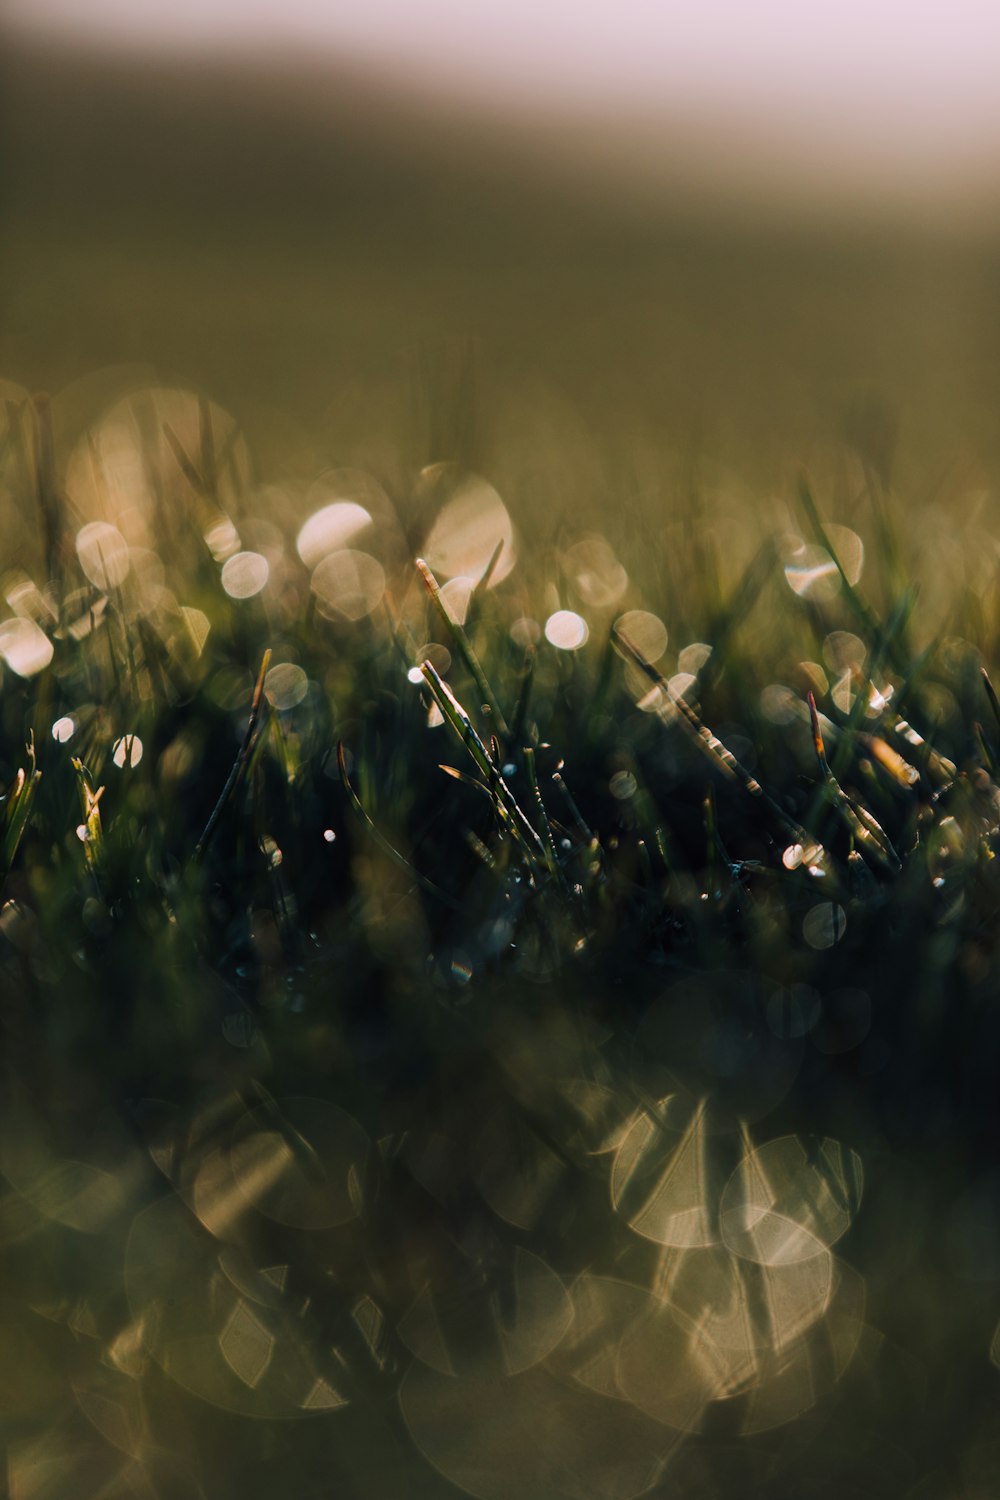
{"x":438,"y":656}
{"x":271,"y":852}
{"x":198,"y":627}
{"x":285,"y":685}
{"x":469,"y":528}
{"x":415,"y":676}
{"x":824,"y":925}
{"x":645,"y":631}
{"x":789,"y":1201}
{"x":779,"y":704}
{"x":850,"y":550}
{"x":63,"y":730}
{"x":622,"y":786}
{"x":681,"y":683}
{"x":525,"y":632}
{"x":878,"y":701}
{"x":654,"y":701}
{"x":595,"y":572}
{"x":456,"y":596}
{"x":127,"y":751}
{"x":843,"y":650}
{"x":83,"y":614}
{"x":693,"y":657}
{"x":246,"y":1345}
{"x":348,"y":584}
{"x":893,"y":763}
{"x":103,"y":554}
{"x":222,"y":538}
{"x":329,"y":836}
{"x":244,"y":574}
{"x":566,"y":631}
{"x":26,"y":598}
{"x":812,"y":574}
{"x":842,"y":693}
{"x":329,"y":530}
{"x":815,"y":676}
{"x":24,"y":646}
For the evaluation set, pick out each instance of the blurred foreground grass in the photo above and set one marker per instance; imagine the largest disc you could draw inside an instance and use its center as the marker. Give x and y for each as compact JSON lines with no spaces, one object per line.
{"x":525,"y":1023}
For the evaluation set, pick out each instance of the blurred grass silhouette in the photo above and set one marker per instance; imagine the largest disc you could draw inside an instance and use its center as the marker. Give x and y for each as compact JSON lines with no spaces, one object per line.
{"x":529,"y":1016}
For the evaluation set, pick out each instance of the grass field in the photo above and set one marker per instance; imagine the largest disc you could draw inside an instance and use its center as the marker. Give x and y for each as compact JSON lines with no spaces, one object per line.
{"x":522,"y":1023}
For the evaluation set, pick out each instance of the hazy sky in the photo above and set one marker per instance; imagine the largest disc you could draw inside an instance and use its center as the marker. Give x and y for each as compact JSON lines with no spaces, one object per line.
{"x":908,"y":83}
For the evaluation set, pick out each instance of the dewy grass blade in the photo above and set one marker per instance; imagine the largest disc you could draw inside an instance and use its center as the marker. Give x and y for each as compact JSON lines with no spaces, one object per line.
{"x":863,"y":826}
{"x":20,"y":801}
{"x":462,"y":725}
{"x":991,"y":694}
{"x":464,"y":647}
{"x":92,"y":829}
{"x":710,"y":745}
{"x":548,"y":841}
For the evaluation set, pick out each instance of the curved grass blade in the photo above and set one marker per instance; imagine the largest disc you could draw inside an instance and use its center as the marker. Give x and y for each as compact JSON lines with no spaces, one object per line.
{"x":865,"y":828}
{"x":93,"y":840}
{"x":464,"y":647}
{"x":505,"y":801}
{"x":381,"y":840}
{"x":20,"y":801}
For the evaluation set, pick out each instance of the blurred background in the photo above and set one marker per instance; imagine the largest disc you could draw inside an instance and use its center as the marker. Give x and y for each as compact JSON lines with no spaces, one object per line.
{"x":673,"y":236}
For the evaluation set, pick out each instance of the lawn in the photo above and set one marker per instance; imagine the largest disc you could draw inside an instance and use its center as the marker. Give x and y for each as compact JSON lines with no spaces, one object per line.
{"x":499,"y":757}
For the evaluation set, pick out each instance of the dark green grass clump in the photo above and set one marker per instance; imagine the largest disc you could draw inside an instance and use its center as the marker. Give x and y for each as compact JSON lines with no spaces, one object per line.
{"x":367,"y":902}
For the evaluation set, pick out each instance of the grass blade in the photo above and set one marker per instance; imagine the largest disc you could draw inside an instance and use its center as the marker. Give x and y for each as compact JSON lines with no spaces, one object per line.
{"x":464,"y":647}
{"x":240,"y":764}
